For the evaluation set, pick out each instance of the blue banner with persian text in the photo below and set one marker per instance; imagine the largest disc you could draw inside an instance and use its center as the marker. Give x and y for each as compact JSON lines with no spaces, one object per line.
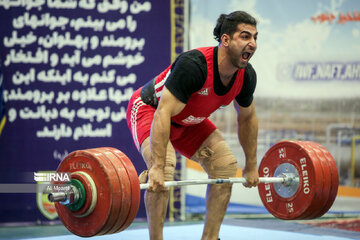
{"x":69,"y":68}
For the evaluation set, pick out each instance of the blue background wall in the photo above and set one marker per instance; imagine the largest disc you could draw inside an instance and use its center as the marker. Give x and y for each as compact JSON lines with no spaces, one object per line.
{"x":64,"y":81}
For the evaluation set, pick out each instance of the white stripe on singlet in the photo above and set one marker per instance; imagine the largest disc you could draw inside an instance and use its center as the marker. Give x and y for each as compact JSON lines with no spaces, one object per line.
{"x":135,"y":107}
{"x":161,"y":84}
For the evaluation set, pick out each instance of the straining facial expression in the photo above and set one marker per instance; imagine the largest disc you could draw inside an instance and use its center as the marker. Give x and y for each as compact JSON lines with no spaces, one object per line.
{"x":241,"y":45}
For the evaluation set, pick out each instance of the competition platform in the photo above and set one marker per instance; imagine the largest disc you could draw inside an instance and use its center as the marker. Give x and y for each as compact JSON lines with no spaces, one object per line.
{"x":255,"y":229}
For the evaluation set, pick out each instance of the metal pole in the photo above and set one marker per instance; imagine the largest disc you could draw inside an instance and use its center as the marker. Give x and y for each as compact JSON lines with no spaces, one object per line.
{"x":285,"y":179}
{"x":353,"y":159}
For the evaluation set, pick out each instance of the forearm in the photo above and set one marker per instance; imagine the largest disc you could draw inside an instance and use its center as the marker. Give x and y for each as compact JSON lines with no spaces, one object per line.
{"x":247,"y":134}
{"x":159,"y":138}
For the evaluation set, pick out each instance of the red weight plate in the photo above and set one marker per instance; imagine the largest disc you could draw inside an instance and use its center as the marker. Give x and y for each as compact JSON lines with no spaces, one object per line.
{"x":323,"y":172}
{"x":115,"y":190}
{"x":310,"y":181}
{"x":125,"y":190}
{"x":135,"y":186}
{"x":87,"y":186}
{"x":90,"y":163}
{"x":333,"y":187}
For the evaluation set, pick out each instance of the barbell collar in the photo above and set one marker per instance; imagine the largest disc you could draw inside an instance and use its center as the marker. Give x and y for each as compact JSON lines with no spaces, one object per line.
{"x":65,"y":198}
{"x":57,"y":196}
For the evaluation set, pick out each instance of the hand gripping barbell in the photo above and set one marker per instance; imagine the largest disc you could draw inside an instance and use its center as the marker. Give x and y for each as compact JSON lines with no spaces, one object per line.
{"x":298,"y":180}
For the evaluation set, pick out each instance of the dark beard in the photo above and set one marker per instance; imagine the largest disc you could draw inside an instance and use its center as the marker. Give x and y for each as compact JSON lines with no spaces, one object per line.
{"x":236,"y":61}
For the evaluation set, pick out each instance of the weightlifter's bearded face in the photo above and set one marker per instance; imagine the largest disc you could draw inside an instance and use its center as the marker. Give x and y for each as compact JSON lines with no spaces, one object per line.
{"x":242,"y":45}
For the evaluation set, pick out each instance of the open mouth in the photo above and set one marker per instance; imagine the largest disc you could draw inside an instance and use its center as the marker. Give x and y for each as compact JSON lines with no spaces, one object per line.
{"x":245,"y":56}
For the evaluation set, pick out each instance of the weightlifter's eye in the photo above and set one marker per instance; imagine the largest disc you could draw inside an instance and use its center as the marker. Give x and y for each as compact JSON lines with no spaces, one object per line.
{"x":245,"y":36}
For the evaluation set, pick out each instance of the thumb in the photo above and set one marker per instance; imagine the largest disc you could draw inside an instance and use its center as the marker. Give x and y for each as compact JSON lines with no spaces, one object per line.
{"x":143,"y":176}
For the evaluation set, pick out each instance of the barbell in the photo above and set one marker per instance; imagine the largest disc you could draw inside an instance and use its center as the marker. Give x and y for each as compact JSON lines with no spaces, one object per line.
{"x":298,"y":180}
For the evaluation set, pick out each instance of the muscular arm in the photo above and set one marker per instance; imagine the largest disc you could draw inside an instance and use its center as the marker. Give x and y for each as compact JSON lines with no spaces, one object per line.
{"x":247,"y":134}
{"x":168,"y":106}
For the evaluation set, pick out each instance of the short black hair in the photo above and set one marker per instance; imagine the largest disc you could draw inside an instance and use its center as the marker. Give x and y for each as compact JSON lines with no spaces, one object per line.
{"x":228,"y":23}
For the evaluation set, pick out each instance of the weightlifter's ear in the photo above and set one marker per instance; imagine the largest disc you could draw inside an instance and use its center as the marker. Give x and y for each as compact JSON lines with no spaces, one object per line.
{"x":225,"y":40}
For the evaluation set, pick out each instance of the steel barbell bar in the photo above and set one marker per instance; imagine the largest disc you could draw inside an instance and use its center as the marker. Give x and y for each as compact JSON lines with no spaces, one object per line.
{"x":286,"y":180}
{"x":72,"y":196}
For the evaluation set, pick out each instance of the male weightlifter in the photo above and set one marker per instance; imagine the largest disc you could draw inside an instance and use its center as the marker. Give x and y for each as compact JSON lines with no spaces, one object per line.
{"x":171,"y":112}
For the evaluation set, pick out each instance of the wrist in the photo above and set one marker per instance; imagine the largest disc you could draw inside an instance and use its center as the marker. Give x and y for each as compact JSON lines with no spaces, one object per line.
{"x":250,"y":164}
